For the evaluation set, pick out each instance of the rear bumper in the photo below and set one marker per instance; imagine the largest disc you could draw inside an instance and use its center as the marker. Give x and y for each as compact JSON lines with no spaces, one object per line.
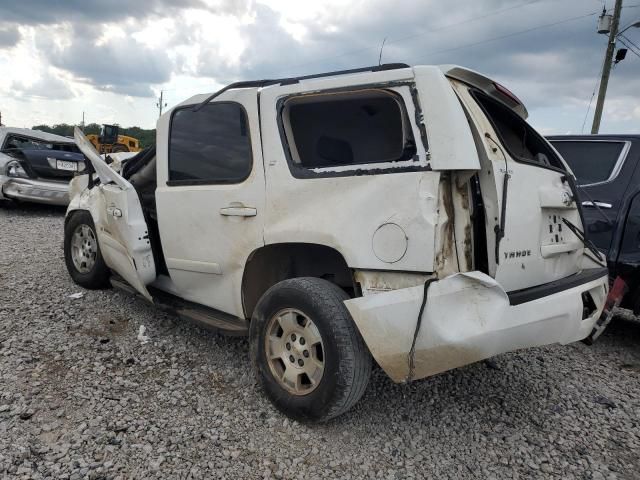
{"x":39,"y":191}
{"x":469,"y":317}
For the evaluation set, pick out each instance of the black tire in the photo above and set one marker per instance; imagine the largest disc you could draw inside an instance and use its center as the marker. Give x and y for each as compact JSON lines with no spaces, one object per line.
{"x":118,"y":148}
{"x":98,"y":276}
{"x":347,"y":361}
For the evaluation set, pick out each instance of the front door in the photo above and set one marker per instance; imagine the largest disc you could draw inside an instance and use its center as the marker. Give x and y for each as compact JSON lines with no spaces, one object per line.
{"x":122,"y":230}
{"x":210,"y":197}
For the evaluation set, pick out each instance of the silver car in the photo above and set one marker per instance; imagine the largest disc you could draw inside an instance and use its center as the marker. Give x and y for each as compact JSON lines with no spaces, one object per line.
{"x":36,"y":166}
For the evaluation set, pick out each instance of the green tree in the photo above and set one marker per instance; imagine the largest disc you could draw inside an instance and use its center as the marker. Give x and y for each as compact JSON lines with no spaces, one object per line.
{"x":144,"y":136}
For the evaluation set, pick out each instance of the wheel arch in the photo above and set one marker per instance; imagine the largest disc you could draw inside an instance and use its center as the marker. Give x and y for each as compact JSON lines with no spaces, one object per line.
{"x":75,"y":210}
{"x":274,"y":263}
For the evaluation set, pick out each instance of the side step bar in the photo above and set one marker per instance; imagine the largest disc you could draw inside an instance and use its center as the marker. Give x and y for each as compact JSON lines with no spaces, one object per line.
{"x":206,"y":317}
{"x":215,"y":320}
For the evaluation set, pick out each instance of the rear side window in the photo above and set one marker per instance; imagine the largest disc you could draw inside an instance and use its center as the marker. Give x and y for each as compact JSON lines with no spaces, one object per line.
{"x":211,"y":145}
{"x":591,"y":162}
{"x":352,"y":128}
{"x":521,"y":141}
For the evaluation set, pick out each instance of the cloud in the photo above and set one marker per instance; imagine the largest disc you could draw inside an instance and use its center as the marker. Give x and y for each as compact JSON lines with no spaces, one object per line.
{"x":49,"y":86}
{"x":9,"y":36}
{"x":34,"y":12}
{"x":120,"y":65}
{"x":547,"y":52}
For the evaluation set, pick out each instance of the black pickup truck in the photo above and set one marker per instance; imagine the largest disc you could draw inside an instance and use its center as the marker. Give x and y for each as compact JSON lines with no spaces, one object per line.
{"x":607,"y":169}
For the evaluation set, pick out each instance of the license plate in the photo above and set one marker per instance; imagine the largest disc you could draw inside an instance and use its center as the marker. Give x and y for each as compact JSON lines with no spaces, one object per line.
{"x":66,"y":165}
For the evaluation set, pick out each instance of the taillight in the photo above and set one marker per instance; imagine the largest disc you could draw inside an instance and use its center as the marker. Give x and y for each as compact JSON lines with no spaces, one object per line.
{"x":507,"y":93}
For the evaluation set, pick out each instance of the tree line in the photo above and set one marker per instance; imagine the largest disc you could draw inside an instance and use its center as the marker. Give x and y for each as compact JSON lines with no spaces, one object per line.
{"x":146,"y":137}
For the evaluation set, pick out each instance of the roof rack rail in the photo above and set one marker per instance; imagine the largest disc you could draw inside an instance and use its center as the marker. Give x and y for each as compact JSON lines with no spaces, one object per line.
{"x":246,"y":84}
{"x":377,"y":68}
{"x":291,"y":80}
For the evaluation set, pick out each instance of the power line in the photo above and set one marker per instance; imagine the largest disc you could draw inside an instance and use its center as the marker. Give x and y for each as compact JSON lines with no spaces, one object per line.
{"x":630,"y":41}
{"x":513,"y":34}
{"x":464,"y":22}
{"x":407,"y":37}
{"x":631,"y":49}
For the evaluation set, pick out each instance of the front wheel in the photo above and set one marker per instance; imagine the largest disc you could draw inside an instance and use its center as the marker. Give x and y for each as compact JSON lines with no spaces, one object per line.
{"x":307,"y":352}
{"x":82,"y":253}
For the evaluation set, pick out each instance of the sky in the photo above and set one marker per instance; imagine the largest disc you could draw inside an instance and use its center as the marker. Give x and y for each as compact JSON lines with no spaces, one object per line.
{"x":111,"y":58}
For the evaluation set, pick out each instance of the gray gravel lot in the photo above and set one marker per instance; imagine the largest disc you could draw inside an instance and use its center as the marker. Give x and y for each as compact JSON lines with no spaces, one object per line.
{"x":81,"y":397}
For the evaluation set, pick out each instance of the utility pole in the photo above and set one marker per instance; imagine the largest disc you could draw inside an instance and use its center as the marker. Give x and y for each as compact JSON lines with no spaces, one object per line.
{"x":161,"y":104}
{"x":606,"y":69}
{"x":82,"y":126}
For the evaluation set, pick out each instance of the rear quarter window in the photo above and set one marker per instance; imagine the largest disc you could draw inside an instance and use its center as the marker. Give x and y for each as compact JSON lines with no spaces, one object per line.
{"x":329,"y":130}
{"x":591,"y":161}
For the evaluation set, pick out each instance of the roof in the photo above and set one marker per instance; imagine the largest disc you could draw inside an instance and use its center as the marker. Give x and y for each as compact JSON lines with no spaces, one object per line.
{"x":291,"y":80}
{"x":465,"y":75}
{"x":37,"y":134}
{"x":605,"y":136}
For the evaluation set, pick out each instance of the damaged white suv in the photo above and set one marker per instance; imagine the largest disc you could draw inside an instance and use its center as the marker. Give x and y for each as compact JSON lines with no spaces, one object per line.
{"x":405,"y":214}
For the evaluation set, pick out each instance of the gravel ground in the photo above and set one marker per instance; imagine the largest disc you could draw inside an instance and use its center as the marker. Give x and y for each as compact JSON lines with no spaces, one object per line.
{"x":82,"y":397}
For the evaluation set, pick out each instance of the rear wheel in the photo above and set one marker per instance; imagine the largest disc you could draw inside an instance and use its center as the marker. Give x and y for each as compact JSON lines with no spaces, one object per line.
{"x":307,"y":352}
{"x":82,"y":253}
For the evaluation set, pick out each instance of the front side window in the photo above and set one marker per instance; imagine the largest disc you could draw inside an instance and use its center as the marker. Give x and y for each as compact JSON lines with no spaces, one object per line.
{"x":211,"y":145}
{"x":520,"y":139}
{"x":351,"y":128}
{"x":591,"y":162}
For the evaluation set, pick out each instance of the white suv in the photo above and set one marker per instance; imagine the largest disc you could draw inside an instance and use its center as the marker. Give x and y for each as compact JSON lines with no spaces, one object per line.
{"x":405,"y":214}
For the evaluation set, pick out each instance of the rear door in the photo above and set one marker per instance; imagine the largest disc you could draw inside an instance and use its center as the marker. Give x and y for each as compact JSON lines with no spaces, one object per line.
{"x":121,"y":227}
{"x":525,"y":194}
{"x":603,"y":177}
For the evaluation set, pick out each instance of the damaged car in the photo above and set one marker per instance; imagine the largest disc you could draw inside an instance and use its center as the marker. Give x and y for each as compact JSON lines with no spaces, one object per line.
{"x":404,"y":215}
{"x":36,"y":166}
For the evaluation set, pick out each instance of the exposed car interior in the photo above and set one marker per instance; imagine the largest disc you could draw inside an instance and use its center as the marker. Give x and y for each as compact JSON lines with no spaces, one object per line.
{"x":140,"y":171}
{"x":520,"y":139}
{"x":349,"y":128}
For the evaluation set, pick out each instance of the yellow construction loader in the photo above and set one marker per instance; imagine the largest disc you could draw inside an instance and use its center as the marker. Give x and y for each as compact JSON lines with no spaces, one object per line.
{"x":110,"y":141}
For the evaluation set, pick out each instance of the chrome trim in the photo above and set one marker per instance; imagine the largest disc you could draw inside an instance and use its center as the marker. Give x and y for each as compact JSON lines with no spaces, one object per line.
{"x":38,"y":191}
{"x":597,"y":204}
{"x":616,"y":168}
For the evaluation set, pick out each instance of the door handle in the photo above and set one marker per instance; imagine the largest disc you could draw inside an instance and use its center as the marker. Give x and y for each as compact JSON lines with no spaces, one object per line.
{"x":597,"y":204}
{"x":238,"y":210}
